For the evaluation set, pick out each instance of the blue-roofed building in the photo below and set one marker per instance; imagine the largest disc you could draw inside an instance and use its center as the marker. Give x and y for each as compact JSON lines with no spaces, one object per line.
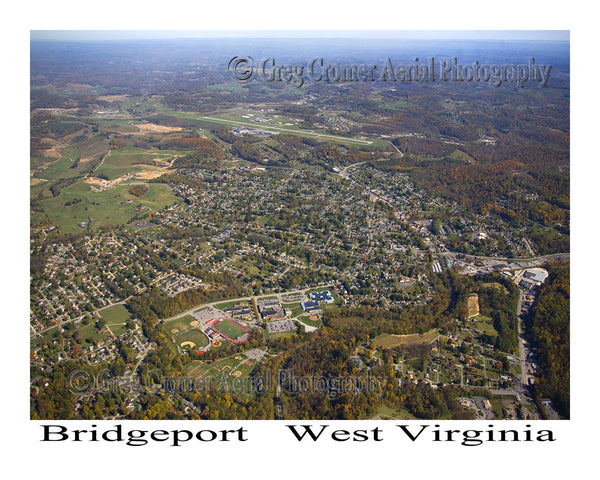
{"x":324,"y":296}
{"x":310,"y":306}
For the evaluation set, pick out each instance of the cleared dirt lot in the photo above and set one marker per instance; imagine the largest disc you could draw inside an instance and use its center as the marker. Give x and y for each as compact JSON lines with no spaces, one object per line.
{"x":150,"y":127}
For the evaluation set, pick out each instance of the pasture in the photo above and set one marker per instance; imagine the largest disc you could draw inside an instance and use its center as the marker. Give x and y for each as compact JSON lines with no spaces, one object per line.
{"x":78,"y":204}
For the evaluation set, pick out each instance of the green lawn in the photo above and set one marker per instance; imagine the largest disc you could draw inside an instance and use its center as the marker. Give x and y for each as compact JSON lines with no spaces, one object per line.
{"x":483,"y":323}
{"x":116,"y":318}
{"x":88,"y":334}
{"x":225,"y":305}
{"x":115,"y":314}
{"x":179,"y":325}
{"x":296,"y":309}
{"x":117,"y":329}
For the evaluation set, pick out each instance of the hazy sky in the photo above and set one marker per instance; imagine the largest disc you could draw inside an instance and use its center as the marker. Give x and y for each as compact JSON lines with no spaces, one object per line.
{"x":556,"y":35}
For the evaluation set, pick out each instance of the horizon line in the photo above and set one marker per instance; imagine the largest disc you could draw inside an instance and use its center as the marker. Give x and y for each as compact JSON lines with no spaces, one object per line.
{"x":111,"y":35}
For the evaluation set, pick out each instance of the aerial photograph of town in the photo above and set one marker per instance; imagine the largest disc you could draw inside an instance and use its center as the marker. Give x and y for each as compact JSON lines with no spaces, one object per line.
{"x":273,"y":228}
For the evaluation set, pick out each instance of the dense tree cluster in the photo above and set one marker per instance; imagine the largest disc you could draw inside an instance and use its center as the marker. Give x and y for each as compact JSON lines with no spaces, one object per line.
{"x":549,"y":327}
{"x":502,"y":309}
{"x":139,"y":190}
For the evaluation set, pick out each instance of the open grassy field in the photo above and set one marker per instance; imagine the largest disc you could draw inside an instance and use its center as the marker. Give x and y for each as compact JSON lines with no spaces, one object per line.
{"x":225,"y":373}
{"x":62,"y":167}
{"x":460,"y":155}
{"x":389,"y":341}
{"x":38,"y":159}
{"x":225,"y":305}
{"x":117,"y":329}
{"x":275,"y":335}
{"x":116,"y":318}
{"x":77,"y":203}
{"x":198,"y":368}
{"x":75,"y":160}
{"x":87,"y":334}
{"x":180,"y":324}
{"x":115,"y":314}
{"x":341,"y":321}
{"x":485,"y":324}
{"x":133,"y":160}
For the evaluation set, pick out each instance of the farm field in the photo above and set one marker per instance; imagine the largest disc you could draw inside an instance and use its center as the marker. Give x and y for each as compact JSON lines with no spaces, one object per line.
{"x":73,"y":161}
{"x":63,"y":168}
{"x":129,"y":160}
